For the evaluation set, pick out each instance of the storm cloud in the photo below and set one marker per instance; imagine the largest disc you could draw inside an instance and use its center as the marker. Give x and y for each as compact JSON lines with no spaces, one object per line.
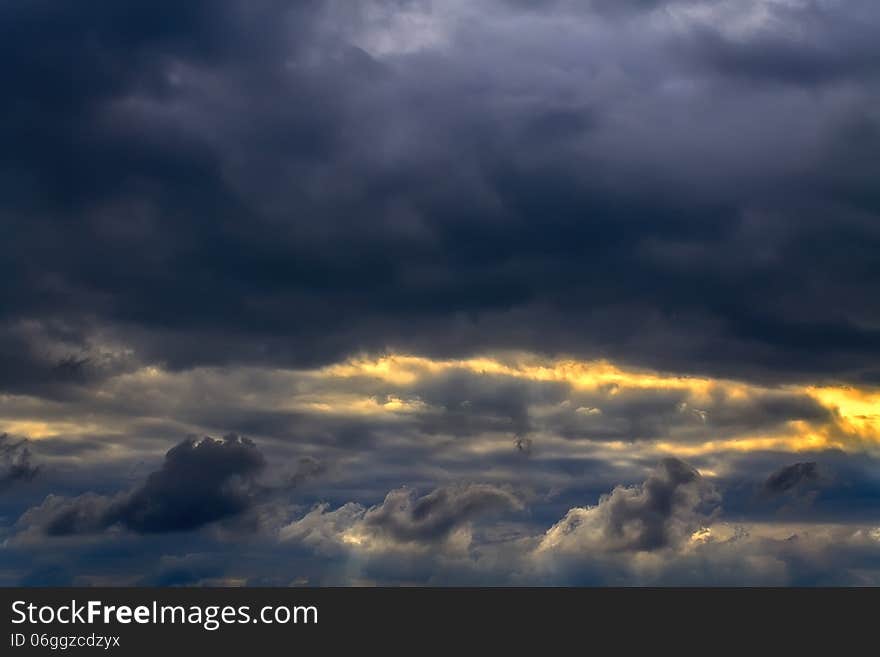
{"x":293,"y":183}
{"x":200,"y":482}
{"x":465,"y":272}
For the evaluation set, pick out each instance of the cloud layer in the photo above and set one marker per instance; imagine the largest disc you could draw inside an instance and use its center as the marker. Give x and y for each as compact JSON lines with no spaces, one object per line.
{"x":464,"y":274}
{"x":649,"y":182}
{"x":199,"y":482}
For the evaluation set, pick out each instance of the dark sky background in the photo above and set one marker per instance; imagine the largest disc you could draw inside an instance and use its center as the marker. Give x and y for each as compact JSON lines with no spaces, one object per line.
{"x":499,"y":292}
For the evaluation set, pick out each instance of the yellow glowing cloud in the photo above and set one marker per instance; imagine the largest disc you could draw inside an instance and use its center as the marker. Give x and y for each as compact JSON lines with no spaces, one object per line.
{"x":859,"y":410}
{"x":383,"y":387}
{"x":37,"y":429}
{"x":856,"y":412}
{"x":359,"y":405}
{"x":598,"y":374}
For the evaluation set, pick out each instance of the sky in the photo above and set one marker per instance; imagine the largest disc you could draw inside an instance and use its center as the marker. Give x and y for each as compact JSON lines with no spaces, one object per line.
{"x":409,"y":292}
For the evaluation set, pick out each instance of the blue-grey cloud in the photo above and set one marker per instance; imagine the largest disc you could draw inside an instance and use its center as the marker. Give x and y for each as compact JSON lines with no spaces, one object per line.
{"x":791,"y":477}
{"x":200,"y":482}
{"x":202,"y":204}
{"x":15,"y":462}
{"x":266,"y":188}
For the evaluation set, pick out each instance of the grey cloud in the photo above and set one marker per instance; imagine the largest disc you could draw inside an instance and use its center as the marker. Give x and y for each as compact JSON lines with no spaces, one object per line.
{"x":669,"y":530}
{"x":321,"y":529}
{"x":656,"y":509}
{"x":462,"y":403}
{"x":308,"y":467}
{"x":199,"y":482}
{"x":432,"y":517}
{"x":823,"y":43}
{"x":666,"y":530}
{"x":59,"y":516}
{"x":423,"y":527}
{"x":792,"y":476}
{"x":51,"y":358}
{"x":808,"y":556}
{"x":667,"y":508}
{"x":15,"y":462}
{"x":444,"y":217}
{"x":286,"y":184}
{"x":677,"y":517}
{"x":827,"y":486}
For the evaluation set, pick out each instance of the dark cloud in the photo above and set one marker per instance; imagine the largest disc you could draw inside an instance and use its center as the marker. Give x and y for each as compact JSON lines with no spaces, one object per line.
{"x":15,"y":462}
{"x":831,"y":487}
{"x":663,"y":496}
{"x":47,"y":358}
{"x":665,"y":530}
{"x":266,"y":185}
{"x":200,"y":482}
{"x":85,"y":514}
{"x":683,"y":186}
{"x":831,"y":44}
{"x":523,"y":445}
{"x":791,"y":477}
{"x":307,"y":468}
